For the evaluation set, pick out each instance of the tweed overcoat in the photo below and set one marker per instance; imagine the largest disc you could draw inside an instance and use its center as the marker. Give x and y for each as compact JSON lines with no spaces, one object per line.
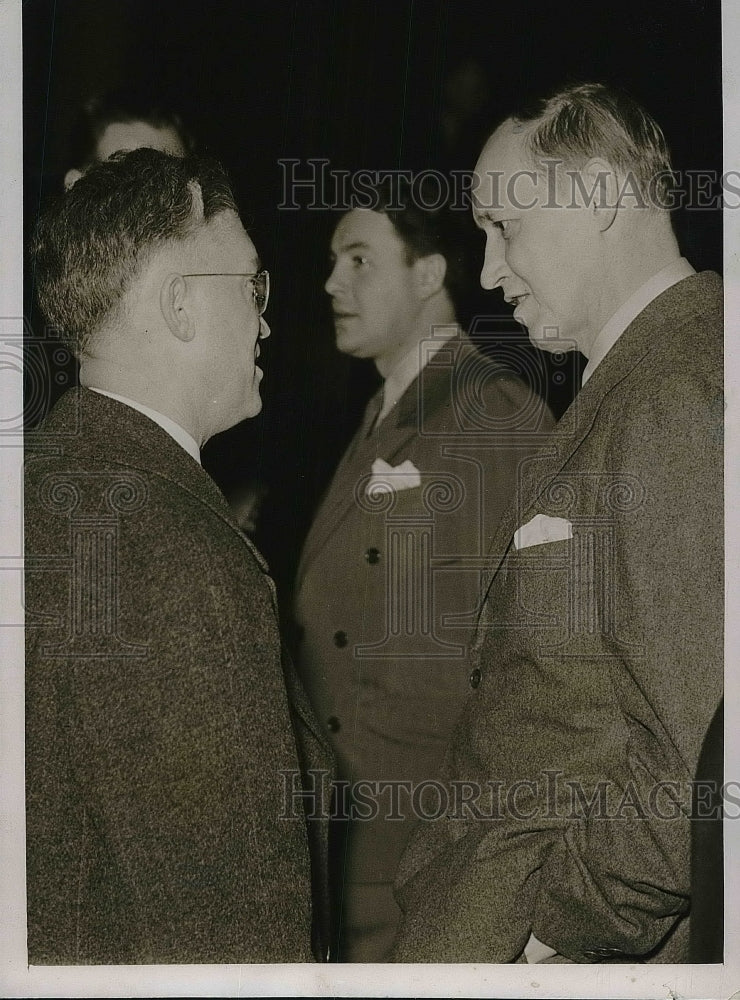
{"x":388,"y":585}
{"x":598,"y":668}
{"x":157,"y":720}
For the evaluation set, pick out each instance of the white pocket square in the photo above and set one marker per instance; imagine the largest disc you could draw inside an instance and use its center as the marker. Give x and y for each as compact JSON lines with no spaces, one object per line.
{"x":542,"y":528}
{"x":392,"y":479}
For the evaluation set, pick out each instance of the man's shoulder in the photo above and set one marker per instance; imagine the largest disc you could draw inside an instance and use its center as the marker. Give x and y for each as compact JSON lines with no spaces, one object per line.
{"x":684,"y":328}
{"x":75,"y":467}
{"x":477,"y":393}
{"x":695,"y":301}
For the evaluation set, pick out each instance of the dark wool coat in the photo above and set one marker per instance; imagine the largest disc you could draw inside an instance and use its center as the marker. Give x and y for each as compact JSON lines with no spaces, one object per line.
{"x":598,"y":668}
{"x":157,"y":722}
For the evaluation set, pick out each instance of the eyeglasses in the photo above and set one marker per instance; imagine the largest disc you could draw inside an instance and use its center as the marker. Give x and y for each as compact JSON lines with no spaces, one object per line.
{"x":260,"y":284}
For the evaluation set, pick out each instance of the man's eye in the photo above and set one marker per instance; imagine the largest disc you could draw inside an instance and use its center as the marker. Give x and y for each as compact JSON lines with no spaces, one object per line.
{"x":504,"y":227}
{"x":359,"y":261}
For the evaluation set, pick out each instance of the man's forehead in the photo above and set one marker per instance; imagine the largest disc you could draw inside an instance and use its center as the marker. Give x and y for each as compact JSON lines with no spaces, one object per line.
{"x":225,"y":229}
{"x":135,"y":134}
{"x":362,"y":227}
{"x":223,"y":244}
{"x":503,"y":156}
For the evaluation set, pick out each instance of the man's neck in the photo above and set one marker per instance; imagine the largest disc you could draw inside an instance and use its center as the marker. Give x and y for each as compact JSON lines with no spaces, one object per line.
{"x":408,"y":367}
{"x":118,"y":378}
{"x":435,"y":315}
{"x":626,"y":276}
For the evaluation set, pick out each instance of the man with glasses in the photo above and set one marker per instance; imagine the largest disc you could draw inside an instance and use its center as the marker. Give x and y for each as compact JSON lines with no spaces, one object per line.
{"x":158,"y":722}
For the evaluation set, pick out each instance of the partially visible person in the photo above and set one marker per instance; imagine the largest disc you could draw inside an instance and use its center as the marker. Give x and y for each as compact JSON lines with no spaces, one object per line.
{"x":122,"y":121}
{"x":598,"y":659}
{"x":157,"y":721}
{"x":246,"y":501}
{"x":104,"y":124}
{"x":388,"y":582}
{"x":707,"y":860}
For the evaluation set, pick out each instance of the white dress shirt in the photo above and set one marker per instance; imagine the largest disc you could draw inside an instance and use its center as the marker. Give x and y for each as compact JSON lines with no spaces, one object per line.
{"x":174,"y":430}
{"x":676,"y":271}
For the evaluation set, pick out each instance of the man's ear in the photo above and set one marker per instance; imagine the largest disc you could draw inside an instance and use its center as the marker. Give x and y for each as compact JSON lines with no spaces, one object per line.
{"x":174,"y":306}
{"x":602,"y":188}
{"x":429,"y":274}
{"x":71,"y":177}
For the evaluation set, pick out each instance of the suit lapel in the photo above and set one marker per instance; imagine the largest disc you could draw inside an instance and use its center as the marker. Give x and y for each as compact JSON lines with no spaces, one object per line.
{"x":387,"y":441}
{"x":339,"y":498}
{"x":572,"y":429}
{"x":683,"y":300}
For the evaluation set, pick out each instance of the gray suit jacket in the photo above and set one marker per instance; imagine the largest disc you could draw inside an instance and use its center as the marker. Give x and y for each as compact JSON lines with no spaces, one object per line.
{"x":598,"y":668}
{"x":157,"y":722}
{"x":388,"y":587}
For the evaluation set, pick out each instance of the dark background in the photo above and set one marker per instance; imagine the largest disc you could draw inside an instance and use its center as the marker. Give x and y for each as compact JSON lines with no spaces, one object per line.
{"x":368,"y":85}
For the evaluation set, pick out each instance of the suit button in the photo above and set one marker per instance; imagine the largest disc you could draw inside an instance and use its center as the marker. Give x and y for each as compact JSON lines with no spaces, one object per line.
{"x":332,"y":724}
{"x":373,"y":556}
{"x":340,"y":639}
{"x":475,"y":678}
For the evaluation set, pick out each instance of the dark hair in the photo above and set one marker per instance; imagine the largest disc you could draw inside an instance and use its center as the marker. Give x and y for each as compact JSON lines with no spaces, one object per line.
{"x":591,"y":119}
{"x":89,"y":244}
{"x":426,"y":225}
{"x":101,"y":110}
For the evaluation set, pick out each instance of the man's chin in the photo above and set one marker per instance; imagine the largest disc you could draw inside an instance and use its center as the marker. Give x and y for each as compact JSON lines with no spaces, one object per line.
{"x":252,"y":406}
{"x":348,"y":345}
{"x":255,"y":407}
{"x":549,"y":339}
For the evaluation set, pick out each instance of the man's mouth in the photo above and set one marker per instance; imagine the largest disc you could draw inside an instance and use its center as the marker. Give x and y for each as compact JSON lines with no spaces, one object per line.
{"x":516,"y":300}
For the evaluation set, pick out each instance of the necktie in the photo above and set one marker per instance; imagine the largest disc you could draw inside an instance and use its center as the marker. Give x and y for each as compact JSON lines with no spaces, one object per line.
{"x":372,"y":410}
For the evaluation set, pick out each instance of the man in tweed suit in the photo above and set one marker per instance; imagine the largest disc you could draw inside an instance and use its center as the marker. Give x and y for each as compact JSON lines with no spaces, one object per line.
{"x":157,"y":718}
{"x":389,"y":577}
{"x":599,"y":649}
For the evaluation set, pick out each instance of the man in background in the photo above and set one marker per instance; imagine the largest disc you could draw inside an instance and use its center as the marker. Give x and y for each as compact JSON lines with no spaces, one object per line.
{"x":388,"y":583}
{"x":123,"y":120}
{"x":157,"y":722}
{"x":599,"y":653}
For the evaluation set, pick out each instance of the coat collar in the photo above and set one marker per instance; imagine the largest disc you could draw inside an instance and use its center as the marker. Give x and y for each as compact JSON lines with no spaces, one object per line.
{"x":86,"y":424}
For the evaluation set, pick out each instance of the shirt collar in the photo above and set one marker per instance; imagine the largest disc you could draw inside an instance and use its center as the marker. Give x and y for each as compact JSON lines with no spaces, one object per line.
{"x":676,"y":271}
{"x":411,"y":364}
{"x":174,"y":430}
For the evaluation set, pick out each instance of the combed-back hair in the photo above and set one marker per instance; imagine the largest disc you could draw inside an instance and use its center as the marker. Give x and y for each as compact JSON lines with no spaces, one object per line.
{"x":592,"y":120}
{"x":426,"y":225}
{"x":91,"y":242}
{"x":99,"y":111}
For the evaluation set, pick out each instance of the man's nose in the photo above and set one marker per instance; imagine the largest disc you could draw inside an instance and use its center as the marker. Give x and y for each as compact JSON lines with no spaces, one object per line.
{"x":264,"y":328}
{"x":333,"y":283}
{"x":494,"y":261}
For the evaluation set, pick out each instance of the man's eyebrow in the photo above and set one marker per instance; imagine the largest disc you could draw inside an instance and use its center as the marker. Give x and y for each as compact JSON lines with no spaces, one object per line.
{"x":356,"y":245}
{"x":481,"y":215}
